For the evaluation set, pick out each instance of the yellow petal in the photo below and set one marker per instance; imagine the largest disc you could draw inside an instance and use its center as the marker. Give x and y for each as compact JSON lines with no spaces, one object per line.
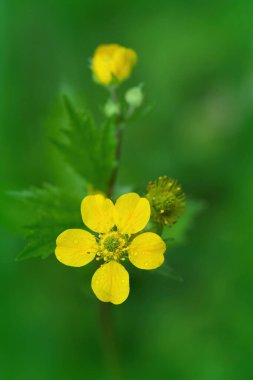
{"x":109,"y":49}
{"x":110,"y":283}
{"x":146,"y":251}
{"x":75,"y":247}
{"x":98,"y":213}
{"x":102,"y":63}
{"x":132,"y":213}
{"x":124,"y":60}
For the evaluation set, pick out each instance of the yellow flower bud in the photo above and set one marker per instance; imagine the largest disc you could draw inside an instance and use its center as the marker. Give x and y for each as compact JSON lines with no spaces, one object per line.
{"x":113,"y":63}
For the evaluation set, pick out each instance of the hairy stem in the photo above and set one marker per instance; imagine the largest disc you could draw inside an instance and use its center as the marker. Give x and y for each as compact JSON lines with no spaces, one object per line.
{"x":106,"y":310}
{"x":119,"y":137}
{"x":110,"y":344}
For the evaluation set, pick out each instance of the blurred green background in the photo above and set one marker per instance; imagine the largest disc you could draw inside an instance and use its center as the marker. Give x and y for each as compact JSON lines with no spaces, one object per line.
{"x":195,"y":58}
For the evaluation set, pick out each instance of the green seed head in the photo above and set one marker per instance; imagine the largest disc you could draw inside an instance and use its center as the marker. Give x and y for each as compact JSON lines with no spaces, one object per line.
{"x":167,"y":200}
{"x":111,"y":243}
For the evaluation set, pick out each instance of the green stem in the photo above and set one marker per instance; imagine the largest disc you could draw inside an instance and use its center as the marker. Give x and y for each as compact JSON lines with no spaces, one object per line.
{"x":108,"y":331}
{"x":110,"y":344}
{"x":119,"y":137}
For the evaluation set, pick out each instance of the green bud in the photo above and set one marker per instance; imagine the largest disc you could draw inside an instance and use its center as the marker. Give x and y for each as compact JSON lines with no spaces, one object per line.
{"x":111,"y":108}
{"x":134,"y":96}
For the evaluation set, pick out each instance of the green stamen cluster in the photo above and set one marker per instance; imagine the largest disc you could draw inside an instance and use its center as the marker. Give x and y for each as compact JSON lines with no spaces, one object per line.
{"x":167,"y":200}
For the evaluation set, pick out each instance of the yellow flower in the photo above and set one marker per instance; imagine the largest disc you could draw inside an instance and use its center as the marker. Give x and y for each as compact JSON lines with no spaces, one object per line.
{"x":112,"y":243}
{"x":112,"y":63}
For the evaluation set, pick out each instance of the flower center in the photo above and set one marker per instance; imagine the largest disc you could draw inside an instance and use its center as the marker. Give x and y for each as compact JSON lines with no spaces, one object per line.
{"x":111,"y":243}
{"x":112,"y":246}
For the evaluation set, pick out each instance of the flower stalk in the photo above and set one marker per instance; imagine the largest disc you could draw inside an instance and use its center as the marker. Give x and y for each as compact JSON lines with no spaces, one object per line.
{"x":110,"y":343}
{"x":119,"y":128}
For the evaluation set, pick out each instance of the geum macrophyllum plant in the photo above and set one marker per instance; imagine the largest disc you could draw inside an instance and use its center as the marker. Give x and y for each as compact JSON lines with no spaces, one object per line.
{"x":116,"y":239}
{"x":134,"y":228}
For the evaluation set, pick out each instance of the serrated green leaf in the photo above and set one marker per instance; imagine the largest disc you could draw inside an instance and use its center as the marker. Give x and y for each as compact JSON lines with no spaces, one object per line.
{"x":48,"y":212}
{"x":177,"y":233}
{"x":89,"y":150}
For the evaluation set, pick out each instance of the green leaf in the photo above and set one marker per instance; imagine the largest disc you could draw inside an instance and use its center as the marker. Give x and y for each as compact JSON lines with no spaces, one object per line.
{"x":48,"y":212}
{"x":89,"y":150}
{"x":177,"y":233}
